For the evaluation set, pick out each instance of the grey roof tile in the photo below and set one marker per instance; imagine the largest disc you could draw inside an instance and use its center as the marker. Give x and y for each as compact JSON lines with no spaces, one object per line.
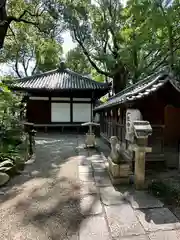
{"x":58,"y":80}
{"x":141,"y":88}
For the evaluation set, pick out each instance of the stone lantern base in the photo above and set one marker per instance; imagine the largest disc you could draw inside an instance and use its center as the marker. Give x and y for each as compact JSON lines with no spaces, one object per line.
{"x":90,"y":140}
{"x":119,"y":173}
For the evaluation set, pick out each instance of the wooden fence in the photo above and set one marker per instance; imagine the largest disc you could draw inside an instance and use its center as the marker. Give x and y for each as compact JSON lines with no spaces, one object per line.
{"x":156,"y":140}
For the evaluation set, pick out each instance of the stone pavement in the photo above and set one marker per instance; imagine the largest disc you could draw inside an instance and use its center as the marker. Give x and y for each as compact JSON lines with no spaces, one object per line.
{"x":120,"y":212}
{"x":65,"y":194}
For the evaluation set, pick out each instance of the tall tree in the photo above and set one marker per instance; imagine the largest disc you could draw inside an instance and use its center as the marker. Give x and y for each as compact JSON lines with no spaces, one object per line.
{"x":28,"y":50}
{"x":38,"y":13}
{"x":124,"y":42}
{"x":78,"y":62}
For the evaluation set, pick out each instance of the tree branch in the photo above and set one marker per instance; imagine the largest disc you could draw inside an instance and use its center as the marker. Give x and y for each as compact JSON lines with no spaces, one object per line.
{"x":115,"y":42}
{"x":27,"y":64}
{"x":164,"y":59}
{"x":16,"y":67}
{"x":34,"y":69}
{"x":11,"y":18}
{"x":24,"y":65}
{"x":88,"y":57}
{"x":13,"y":35}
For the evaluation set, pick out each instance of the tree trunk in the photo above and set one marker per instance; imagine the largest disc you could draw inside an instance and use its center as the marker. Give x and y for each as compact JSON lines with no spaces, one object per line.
{"x":119,"y":80}
{"x":4,"y":24}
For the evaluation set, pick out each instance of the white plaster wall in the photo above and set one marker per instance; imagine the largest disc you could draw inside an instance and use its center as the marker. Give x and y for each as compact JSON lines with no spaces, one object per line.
{"x":60,"y":112}
{"x":81,"y":112}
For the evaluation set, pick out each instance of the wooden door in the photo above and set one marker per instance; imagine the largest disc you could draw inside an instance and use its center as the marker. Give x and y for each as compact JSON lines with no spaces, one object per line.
{"x":172,"y":135}
{"x":39,"y":111}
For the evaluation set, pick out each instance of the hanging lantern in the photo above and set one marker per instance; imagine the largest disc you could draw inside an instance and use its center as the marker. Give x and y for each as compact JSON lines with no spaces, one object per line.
{"x":111,"y":113}
{"x":106,"y":114}
{"x":119,"y":111}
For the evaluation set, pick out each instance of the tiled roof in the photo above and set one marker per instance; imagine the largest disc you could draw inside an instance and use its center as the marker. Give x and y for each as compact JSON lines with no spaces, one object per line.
{"x":58,"y":80}
{"x":141,"y":89}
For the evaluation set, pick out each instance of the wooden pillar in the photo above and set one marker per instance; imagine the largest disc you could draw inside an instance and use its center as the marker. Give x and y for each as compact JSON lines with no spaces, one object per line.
{"x":71,"y":109}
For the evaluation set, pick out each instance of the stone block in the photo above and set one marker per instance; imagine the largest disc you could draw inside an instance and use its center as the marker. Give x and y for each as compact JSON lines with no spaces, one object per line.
{"x":99,"y":166}
{"x":165,"y":235}
{"x":119,"y":170}
{"x":90,"y":140}
{"x":90,"y":205}
{"x":86,"y":177}
{"x":143,"y":200}
{"x":85,"y":169}
{"x":176,"y":211}
{"x":114,"y":168}
{"x":139,"y":237}
{"x":122,"y":221}
{"x":157,"y":219}
{"x":83,"y":161}
{"x":119,"y":180}
{"x":124,"y":170}
{"x":96,"y":158}
{"x":94,"y":228}
{"x":110,"y":196}
{"x":102,"y":179}
{"x":88,"y":188}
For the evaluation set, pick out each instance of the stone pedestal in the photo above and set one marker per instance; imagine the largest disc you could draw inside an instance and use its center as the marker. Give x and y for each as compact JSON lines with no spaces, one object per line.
{"x":90,"y":140}
{"x":139,"y":171}
{"x":119,"y":173}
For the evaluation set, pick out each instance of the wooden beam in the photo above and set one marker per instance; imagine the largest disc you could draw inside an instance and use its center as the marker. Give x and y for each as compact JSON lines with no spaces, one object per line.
{"x":71,"y":109}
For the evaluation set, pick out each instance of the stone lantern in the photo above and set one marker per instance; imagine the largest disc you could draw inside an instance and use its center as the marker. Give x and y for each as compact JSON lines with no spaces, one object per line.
{"x":90,"y":136}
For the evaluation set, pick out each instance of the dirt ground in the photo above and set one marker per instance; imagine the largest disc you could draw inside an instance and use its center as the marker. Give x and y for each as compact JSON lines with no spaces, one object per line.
{"x":43,"y":202}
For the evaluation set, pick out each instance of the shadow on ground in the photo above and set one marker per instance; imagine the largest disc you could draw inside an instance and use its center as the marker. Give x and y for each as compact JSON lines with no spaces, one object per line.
{"x":45,"y":202}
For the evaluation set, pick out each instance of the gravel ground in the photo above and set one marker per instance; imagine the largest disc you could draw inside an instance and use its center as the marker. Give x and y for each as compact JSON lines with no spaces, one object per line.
{"x":43,"y":202}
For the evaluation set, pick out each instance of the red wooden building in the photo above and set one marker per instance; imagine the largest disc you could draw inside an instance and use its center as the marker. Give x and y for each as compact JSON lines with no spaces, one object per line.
{"x":60,"y":97}
{"x":158,"y":99}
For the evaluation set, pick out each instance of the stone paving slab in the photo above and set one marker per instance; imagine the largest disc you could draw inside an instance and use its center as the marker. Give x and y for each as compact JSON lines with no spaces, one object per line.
{"x":110,"y":196}
{"x":94,"y":228}
{"x":98,"y":166}
{"x":122,"y":221}
{"x":85,"y":169}
{"x":157,"y":219}
{"x":102,"y":179}
{"x":88,"y":188}
{"x":165,"y":235}
{"x":86,"y":177}
{"x":90,"y":205}
{"x":176,"y":211}
{"x":142,"y":200}
{"x":96,"y":158}
{"x":139,"y":237}
{"x":83,"y":161}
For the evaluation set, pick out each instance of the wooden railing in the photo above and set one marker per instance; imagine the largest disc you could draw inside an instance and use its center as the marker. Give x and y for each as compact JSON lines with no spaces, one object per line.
{"x":112,"y":129}
{"x":156,"y":140}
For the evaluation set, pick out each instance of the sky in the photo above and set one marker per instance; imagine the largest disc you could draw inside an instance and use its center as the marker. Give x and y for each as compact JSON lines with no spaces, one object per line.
{"x":68,"y":44}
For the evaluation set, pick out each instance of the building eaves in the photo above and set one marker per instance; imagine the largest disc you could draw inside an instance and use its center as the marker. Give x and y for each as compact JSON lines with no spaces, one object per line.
{"x":139,"y":90}
{"x":58,"y":80}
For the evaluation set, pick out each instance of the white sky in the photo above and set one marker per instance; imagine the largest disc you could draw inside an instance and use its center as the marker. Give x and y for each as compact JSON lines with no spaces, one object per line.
{"x":68,"y":44}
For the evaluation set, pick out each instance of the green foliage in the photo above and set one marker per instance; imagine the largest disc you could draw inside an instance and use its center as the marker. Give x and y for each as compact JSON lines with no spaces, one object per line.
{"x":116,"y":41}
{"x":11,"y":134}
{"x":78,"y":62}
{"x":126,"y":41}
{"x":31,"y":48}
{"x":104,"y":99}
